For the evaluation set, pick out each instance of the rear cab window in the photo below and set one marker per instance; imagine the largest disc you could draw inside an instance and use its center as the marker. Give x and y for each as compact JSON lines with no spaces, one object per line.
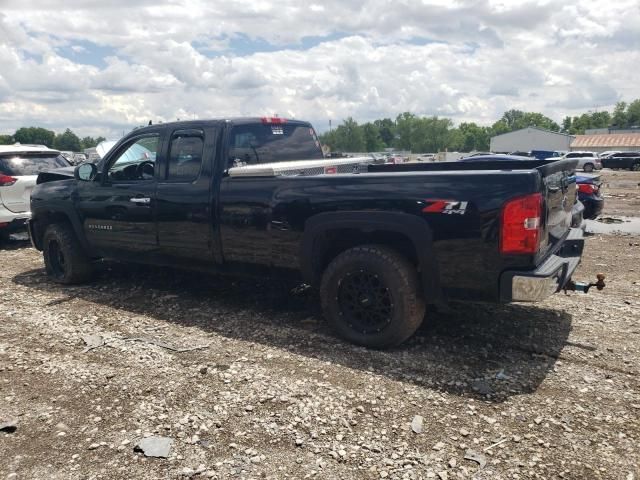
{"x":267,"y":142}
{"x":185,"y":156}
{"x":24,"y":164}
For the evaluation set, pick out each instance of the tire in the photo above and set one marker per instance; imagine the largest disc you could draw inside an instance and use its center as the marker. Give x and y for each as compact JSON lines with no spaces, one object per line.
{"x":383,"y":278}
{"x":635,"y":167}
{"x":64,"y":259}
{"x":588,"y":167}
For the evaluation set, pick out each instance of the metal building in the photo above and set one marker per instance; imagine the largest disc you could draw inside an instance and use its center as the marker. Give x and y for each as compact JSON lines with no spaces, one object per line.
{"x":530,"y":138}
{"x":623,"y":142}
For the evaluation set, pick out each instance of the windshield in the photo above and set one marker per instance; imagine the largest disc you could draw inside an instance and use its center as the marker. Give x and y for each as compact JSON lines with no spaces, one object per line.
{"x":265,"y":143}
{"x":30,"y":163}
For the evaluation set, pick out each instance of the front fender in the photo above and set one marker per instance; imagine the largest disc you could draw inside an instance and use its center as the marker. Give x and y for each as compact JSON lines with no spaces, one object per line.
{"x":53,"y":202}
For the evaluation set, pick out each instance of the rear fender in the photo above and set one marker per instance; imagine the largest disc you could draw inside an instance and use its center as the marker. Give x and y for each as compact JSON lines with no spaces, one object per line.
{"x":414,"y":228}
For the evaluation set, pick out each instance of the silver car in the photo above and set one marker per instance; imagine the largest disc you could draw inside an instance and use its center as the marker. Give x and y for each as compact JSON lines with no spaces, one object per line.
{"x":19,"y":168}
{"x":587,"y":161}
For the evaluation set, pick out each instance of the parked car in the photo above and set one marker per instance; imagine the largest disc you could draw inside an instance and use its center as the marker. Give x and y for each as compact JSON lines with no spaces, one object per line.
{"x":589,"y":195}
{"x":520,"y":153}
{"x":545,"y":154}
{"x":79,"y":158}
{"x":19,"y":168}
{"x":496,"y":157}
{"x":629,"y":160}
{"x":395,"y":159}
{"x":587,"y":161}
{"x":608,"y":153}
{"x":67,"y":154}
{"x":380,"y":244}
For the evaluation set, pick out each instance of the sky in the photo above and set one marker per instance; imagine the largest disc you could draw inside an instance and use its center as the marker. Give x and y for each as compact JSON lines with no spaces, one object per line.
{"x":102,"y":67}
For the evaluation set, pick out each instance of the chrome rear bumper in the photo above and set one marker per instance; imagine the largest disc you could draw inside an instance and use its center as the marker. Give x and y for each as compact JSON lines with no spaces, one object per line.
{"x":550,"y":277}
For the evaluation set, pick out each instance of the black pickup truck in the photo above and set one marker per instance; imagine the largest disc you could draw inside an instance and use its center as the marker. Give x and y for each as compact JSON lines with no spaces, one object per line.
{"x":381,"y":242}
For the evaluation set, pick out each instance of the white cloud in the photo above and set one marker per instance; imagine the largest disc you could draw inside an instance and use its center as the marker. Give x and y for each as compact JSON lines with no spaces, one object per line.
{"x":469,"y":60}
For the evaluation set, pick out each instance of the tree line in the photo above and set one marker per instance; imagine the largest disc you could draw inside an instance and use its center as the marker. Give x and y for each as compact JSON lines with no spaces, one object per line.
{"x":66,"y":141}
{"x":407,"y":132}
{"x":433,"y":134}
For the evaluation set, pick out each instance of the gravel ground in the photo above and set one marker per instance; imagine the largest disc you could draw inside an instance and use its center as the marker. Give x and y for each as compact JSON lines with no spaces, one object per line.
{"x":621,"y":192}
{"x":248,"y":381}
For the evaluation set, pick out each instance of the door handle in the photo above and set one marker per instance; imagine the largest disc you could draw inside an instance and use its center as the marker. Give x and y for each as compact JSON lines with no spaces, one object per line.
{"x":141,"y":200}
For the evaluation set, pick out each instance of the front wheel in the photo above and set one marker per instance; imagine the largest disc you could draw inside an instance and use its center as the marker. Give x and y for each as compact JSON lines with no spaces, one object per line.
{"x":64,"y":259}
{"x":635,"y":167}
{"x":371,"y":296}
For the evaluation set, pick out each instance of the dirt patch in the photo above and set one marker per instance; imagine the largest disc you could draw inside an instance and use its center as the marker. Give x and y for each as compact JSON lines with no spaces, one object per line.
{"x":621,"y":191}
{"x":538,"y":391}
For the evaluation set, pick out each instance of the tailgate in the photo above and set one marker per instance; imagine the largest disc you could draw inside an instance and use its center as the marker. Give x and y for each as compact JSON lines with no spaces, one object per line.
{"x":16,"y":197}
{"x":560,"y":193}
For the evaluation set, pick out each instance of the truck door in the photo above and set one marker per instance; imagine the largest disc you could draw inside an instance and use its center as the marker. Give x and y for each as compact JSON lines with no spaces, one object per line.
{"x":184,"y":200}
{"x":118,"y":208}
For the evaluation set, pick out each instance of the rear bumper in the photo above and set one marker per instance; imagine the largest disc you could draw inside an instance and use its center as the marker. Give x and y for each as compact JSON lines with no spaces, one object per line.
{"x":15,"y":225}
{"x":549,"y":277}
{"x":7,"y":216}
{"x":12,"y":222}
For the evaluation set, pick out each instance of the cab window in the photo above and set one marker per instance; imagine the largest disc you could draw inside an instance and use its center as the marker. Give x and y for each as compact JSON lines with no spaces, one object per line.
{"x":254,"y":143}
{"x":185,"y":156}
{"x":137,"y":161}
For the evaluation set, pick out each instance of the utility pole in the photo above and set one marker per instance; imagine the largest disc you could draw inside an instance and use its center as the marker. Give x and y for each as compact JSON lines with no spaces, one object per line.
{"x":329,"y":125}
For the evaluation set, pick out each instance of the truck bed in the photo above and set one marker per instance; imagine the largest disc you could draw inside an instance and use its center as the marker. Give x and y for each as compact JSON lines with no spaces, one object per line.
{"x":465,"y":241}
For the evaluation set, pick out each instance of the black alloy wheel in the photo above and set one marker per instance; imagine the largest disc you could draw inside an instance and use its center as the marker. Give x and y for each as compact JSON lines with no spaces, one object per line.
{"x":64,"y":257}
{"x":365,"y":302}
{"x":57,"y":260}
{"x":372,"y":296}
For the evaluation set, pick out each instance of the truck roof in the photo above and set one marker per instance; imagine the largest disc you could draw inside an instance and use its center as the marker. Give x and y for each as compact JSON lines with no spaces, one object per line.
{"x":232,"y":120}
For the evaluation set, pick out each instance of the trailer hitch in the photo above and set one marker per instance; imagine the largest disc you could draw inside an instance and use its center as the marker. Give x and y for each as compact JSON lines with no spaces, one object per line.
{"x":584,"y":287}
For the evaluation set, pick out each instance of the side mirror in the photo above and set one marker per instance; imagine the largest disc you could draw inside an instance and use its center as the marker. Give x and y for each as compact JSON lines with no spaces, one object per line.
{"x":85,"y":172}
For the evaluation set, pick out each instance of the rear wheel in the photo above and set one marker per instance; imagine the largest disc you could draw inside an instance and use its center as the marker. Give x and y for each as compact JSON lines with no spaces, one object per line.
{"x":64,"y":259}
{"x":588,"y":167}
{"x":371,"y":296}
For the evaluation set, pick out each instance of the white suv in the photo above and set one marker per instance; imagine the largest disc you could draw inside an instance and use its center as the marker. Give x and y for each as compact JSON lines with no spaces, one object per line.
{"x":19,"y":168}
{"x":587,"y":161}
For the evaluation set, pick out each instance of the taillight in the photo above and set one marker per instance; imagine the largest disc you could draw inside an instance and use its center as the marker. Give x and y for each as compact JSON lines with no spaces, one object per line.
{"x":6,"y":180}
{"x":587,"y":188}
{"x":273,"y":120}
{"x":521,"y":225}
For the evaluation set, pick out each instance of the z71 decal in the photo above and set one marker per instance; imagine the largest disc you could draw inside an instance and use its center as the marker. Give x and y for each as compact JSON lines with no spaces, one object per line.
{"x":448,"y":207}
